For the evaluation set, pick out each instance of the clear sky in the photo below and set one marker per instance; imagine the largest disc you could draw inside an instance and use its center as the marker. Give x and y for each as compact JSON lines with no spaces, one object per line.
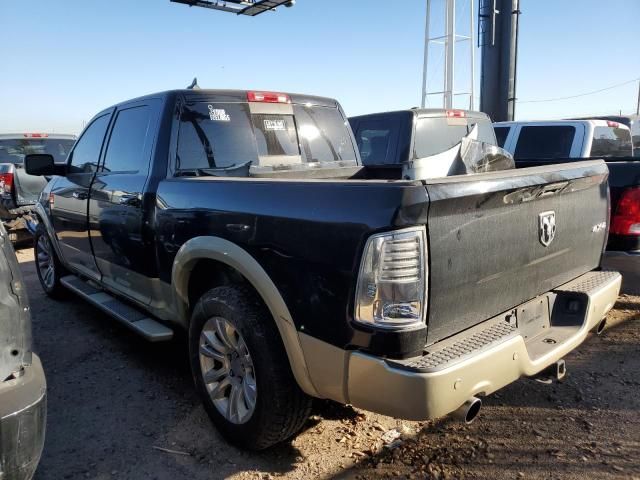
{"x":64,"y":60}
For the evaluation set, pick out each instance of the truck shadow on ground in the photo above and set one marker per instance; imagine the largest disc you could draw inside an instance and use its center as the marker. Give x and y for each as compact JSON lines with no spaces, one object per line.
{"x":121,"y":407}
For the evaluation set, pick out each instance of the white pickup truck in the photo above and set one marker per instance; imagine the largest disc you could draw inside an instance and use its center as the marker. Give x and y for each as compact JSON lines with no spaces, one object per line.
{"x":564,"y":139}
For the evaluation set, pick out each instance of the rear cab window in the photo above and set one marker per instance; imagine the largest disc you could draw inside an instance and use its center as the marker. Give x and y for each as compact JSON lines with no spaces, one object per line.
{"x":437,"y":134}
{"x":611,"y":140}
{"x":234,"y":139}
{"x":544,"y":142}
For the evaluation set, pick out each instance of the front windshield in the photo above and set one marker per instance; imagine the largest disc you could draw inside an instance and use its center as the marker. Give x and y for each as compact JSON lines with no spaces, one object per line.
{"x":14,"y":150}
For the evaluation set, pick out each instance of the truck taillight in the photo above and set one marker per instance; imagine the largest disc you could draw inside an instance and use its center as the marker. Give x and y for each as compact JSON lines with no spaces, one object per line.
{"x":6,"y":182}
{"x":392,"y":284}
{"x":268,"y":97}
{"x":456,"y":114}
{"x":626,"y":218}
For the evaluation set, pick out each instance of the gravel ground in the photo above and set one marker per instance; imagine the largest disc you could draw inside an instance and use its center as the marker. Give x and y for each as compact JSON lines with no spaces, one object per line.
{"x":120,"y":407}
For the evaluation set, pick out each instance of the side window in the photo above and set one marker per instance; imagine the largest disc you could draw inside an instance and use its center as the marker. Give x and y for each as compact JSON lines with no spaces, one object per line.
{"x":86,"y":154}
{"x":544,"y":142}
{"x":125,"y":152}
{"x":216,"y":136}
{"x":374,"y":141}
{"x":611,"y":142}
{"x":501,"y":135}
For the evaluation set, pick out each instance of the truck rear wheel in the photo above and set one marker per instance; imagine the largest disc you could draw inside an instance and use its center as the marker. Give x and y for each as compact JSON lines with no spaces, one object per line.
{"x":48,"y":265}
{"x":241,"y":370}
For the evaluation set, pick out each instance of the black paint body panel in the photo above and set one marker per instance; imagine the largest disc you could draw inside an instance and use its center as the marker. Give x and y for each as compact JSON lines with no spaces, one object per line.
{"x":484,"y":240}
{"x":308,"y":236}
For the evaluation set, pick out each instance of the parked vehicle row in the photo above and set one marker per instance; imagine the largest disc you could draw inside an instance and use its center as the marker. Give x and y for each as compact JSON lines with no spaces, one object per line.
{"x":247,"y":219}
{"x":539,"y":143}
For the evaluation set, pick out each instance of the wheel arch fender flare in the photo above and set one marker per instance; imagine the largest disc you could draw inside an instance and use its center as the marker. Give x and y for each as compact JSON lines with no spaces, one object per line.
{"x":45,"y":219}
{"x":228,"y":253}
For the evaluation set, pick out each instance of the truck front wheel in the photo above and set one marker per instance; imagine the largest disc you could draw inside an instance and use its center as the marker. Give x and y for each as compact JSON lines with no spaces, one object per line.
{"x":241,"y":369}
{"x":48,"y":265}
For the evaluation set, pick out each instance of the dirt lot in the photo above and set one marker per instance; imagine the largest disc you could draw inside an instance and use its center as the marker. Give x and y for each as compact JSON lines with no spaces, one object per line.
{"x":115,"y":401}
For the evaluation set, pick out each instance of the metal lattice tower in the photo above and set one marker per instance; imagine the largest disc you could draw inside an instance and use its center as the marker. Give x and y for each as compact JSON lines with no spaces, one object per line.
{"x":450,"y":39}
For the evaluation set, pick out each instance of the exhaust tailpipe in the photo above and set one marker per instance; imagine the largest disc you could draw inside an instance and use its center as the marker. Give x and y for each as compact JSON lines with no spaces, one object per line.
{"x":468,"y":411}
{"x":601,"y":326}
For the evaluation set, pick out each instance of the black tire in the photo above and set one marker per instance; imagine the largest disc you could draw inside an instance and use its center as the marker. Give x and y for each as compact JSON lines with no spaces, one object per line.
{"x":54,"y":288}
{"x":281,"y":407}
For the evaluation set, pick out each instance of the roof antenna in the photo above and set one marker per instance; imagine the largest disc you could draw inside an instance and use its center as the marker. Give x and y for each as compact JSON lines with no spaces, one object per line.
{"x":194,"y":85}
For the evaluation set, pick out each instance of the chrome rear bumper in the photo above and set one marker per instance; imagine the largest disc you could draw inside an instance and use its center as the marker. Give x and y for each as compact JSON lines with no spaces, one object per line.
{"x":474,"y":363}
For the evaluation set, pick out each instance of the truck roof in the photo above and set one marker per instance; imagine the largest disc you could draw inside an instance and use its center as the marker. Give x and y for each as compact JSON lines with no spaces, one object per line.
{"x":431,"y":112}
{"x":221,"y":95}
{"x":594,"y":122}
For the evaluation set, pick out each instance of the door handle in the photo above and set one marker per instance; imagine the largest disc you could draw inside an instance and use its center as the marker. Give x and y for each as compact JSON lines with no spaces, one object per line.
{"x":80,"y":195}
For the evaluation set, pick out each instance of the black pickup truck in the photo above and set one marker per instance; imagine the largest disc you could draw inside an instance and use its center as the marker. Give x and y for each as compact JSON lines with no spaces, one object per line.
{"x":247,"y":219}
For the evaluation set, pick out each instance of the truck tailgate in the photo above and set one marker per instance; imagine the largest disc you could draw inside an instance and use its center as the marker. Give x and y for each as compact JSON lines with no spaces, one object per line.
{"x":487,"y":235}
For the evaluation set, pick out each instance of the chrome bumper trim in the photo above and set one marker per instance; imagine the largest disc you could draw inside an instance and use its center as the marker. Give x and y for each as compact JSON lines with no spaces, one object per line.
{"x":372,"y":384}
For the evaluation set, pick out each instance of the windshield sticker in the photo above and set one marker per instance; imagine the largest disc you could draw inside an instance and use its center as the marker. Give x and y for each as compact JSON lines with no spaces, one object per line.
{"x":274,"y":125}
{"x":218,"y":114}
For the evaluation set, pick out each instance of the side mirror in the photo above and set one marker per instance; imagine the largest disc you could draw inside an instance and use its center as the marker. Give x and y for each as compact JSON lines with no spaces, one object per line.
{"x":40,"y":164}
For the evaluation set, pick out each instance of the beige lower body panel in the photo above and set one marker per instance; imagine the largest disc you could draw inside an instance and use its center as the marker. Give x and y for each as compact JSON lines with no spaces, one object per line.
{"x":369,"y":382}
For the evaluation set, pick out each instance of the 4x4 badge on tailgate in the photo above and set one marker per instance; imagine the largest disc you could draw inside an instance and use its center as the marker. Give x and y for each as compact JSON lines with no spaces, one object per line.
{"x":547,"y":227}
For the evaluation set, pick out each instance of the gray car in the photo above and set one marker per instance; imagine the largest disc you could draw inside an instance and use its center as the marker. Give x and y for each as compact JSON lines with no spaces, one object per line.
{"x":19,"y":191}
{"x":23,"y":409}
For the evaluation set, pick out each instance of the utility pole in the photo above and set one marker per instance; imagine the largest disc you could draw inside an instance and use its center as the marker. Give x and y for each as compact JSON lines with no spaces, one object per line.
{"x":498,"y":38}
{"x":638,"y":104}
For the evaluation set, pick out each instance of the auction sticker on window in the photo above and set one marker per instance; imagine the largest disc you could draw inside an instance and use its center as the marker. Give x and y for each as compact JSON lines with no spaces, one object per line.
{"x":274,"y":124}
{"x":218,"y":114}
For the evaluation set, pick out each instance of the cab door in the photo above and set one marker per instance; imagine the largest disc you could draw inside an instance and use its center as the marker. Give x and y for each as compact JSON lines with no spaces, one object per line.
{"x":121,"y":244}
{"x":70,"y":197}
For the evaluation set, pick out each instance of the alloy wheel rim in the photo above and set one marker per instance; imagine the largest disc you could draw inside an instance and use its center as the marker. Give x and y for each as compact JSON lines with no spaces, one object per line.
{"x":227,"y":370}
{"x":46,"y":266}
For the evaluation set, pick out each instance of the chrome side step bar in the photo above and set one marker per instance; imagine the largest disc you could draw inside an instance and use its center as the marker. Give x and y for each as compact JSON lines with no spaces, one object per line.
{"x":131,"y":317}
